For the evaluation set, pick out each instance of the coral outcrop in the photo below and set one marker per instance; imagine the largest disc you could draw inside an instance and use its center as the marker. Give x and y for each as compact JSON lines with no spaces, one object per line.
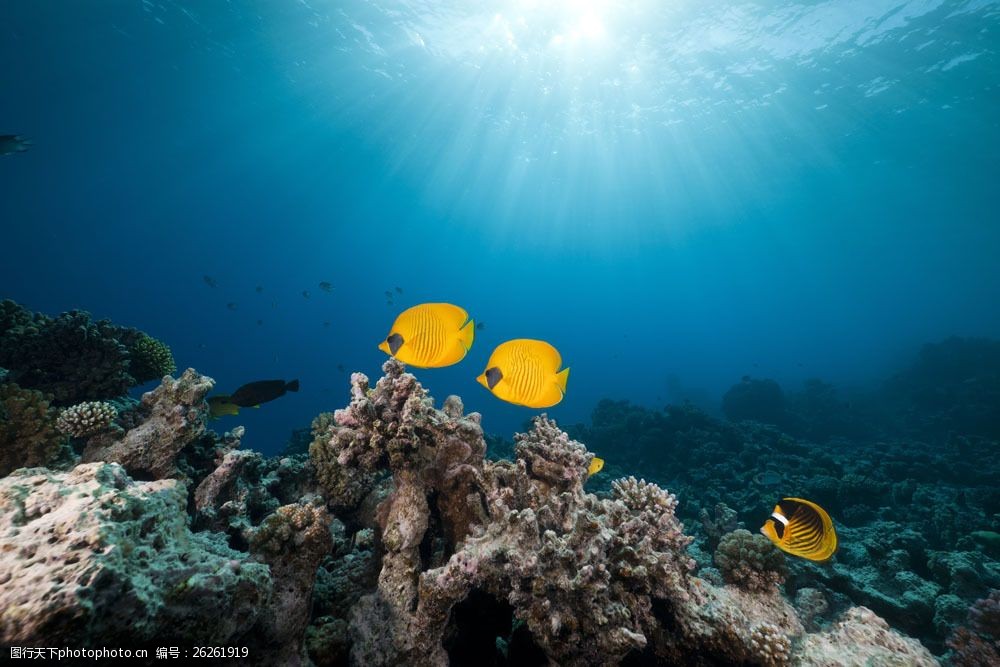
{"x":85,"y":419}
{"x":28,"y":433}
{"x":292,"y":541}
{"x":583,"y":580}
{"x":173,"y":416}
{"x":89,"y":557}
{"x":750,"y":561}
{"x":149,"y":358}
{"x":75,"y":358}
{"x":978,"y":642}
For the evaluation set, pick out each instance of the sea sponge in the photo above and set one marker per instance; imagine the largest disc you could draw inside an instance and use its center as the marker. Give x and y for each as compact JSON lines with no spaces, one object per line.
{"x":86,"y":419}
{"x":772,"y":647}
{"x":149,"y":358}
{"x":750,"y":561}
{"x":28,"y":435}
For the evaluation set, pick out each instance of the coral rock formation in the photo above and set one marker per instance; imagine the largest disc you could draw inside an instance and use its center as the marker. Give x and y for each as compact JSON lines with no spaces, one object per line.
{"x":91,"y":557}
{"x":174,"y":416}
{"x":750,"y":561}
{"x":292,"y":541}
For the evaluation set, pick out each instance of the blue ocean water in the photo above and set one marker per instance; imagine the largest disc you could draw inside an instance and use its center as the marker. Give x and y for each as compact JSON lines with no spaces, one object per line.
{"x":673,"y":194}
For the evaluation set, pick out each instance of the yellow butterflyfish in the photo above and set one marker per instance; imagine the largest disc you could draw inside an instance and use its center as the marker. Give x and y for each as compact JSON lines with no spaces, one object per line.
{"x":801,"y":528}
{"x":525,"y":372}
{"x":596,"y":465}
{"x":430,"y":335}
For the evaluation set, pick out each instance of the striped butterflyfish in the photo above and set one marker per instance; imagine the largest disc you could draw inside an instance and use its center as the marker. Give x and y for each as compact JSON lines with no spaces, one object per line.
{"x":801,"y":528}
{"x":525,"y":372}
{"x":430,"y":335}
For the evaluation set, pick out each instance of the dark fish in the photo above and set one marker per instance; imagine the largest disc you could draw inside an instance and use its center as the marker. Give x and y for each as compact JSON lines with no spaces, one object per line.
{"x":340,"y":367}
{"x":13,"y":143}
{"x":480,"y":326}
{"x":210,"y":281}
{"x":326,"y":324}
{"x":260,"y":322}
{"x":305,"y":293}
{"x":231,"y":305}
{"x":259,"y":289}
{"x":399,"y":290}
{"x":262,"y":391}
{"x":325,"y":286}
{"x":388,"y":294}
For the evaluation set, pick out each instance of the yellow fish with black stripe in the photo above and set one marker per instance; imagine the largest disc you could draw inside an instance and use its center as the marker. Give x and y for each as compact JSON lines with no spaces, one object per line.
{"x":801,"y":528}
{"x":430,"y":335}
{"x":526,"y":372}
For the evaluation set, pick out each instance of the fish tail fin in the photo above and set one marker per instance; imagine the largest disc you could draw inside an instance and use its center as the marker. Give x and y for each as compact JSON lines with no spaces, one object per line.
{"x":468,"y":333}
{"x":561,"y":378}
{"x":292,"y":386}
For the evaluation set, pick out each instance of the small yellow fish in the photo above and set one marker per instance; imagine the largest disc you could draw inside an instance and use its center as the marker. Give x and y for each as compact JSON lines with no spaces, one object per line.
{"x":596,"y":465}
{"x":525,"y":372}
{"x":431,"y":335}
{"x":801,"y":528}
{"x":220,"y":406}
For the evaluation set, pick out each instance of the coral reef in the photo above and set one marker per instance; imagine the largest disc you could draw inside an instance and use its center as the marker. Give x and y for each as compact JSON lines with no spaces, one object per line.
{"x":75,"y":358}
{"x":771,"y":645}
{"x":174,"y":415}
{"x":292,"y":541}
{"x":861,"y":638}
{"x":952,"y":387}
{"x":915,"y":518}
{"x":978,"y":642}
{"x":591,"y":581}
{"x":419,"y":550}
{"x":85,"y":419}
{"x":90,"y":557}
{"x":755,"y":400}
{"x":28,"y":433}
{"x":750,"y":561}
{"x":149,"y":359}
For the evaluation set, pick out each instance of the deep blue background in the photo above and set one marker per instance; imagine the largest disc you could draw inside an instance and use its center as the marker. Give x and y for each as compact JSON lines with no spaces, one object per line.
{"x":700,"y":194}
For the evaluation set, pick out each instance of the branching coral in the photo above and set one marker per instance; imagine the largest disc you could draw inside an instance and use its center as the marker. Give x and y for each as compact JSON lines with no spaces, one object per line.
{"x":75,"y":358}
{"x":750,"y":561}
{"x":70,"y":356}
{"x":150,"y":359}
{"x":84,"y":419}
{"x":28,"y":434}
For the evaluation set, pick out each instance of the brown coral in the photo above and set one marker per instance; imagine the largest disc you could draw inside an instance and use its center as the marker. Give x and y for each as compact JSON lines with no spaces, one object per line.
{"x":28,"y":434}
{"x":292,"y":541}
{"x":750,"y":561}
{"x":771,"y":646}
{"x":85,"y":419}
{"x":173,"y":415}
